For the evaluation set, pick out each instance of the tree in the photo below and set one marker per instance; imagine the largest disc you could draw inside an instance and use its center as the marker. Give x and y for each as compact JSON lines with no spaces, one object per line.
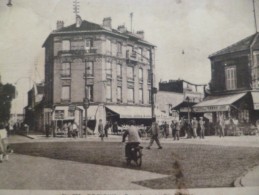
{"x":7,"y":94}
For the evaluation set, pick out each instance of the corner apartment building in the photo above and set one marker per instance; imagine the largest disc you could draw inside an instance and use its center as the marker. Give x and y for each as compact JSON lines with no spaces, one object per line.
{"x":234,"y":82}
{"x":112,"y":65}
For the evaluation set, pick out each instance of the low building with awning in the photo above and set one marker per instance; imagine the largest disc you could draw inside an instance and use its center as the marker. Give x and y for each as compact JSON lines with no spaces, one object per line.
{"x":232,"y":105}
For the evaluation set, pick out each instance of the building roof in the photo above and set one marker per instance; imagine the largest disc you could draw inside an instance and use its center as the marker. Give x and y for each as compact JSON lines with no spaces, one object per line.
{"x":242,"y":45}
{"x":87,"y":26}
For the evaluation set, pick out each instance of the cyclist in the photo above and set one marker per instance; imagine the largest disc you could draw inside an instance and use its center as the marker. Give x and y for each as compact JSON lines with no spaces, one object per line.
{"x":133,"y":138}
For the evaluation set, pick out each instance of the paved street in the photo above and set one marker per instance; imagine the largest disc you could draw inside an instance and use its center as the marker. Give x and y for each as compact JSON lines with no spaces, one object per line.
{"x":57,"y":173}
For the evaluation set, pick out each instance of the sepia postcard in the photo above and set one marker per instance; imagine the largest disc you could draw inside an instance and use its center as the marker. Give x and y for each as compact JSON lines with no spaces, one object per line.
{"x":129,"y":97}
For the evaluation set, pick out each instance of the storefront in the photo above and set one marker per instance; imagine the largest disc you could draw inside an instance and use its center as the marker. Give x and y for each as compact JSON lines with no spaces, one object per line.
{"x":237,"y":106}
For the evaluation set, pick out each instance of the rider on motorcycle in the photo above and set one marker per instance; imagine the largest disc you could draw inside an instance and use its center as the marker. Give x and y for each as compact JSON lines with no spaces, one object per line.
{"x":133,"y":138}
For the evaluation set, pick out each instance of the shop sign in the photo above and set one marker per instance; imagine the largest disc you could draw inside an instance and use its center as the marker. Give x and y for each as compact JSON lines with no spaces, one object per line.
{"x":211,"y":108}
{"x":185,"y":109}
{"x":59,"y":114}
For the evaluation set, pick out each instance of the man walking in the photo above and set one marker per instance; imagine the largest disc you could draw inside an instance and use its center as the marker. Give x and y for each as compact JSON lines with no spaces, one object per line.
{"x":202,"y":125}
{"x":194,"y":127}
{"x":100,"y":129}
{"x":154,"y":134}
{"x":177,"y":130}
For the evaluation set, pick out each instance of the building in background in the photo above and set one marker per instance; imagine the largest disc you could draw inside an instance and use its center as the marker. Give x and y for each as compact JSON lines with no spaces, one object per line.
{"x":234,"y":82}
{"x":112,"y":65}
{"x":34,"y":115}
{"x":176,"y":97}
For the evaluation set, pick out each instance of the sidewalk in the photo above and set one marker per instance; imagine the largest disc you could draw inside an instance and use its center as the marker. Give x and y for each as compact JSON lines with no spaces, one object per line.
{"x":50,"y":174}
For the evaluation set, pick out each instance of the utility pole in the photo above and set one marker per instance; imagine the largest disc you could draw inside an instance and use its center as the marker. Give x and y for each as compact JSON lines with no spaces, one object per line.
{"x":152,"y":84}
{"x":76,"y":8}
{"x":86,"y":100}
{"x":255,"y":16}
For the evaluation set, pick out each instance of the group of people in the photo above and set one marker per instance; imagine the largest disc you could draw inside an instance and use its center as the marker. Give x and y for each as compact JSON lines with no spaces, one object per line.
{"x":70,"y":129}
{"x":190,"y":129}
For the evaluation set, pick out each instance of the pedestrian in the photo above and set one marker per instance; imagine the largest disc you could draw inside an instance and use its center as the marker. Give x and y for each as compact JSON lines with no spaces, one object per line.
{"x":177,"y":130}
{"x":194,"y":127}
{"x":221,"y":127}
{"x":154,"y":134}
{"x":3,"y":143}
{"x":202,"y":128}
{"x":173,"y":128}
{"x":115,"y":128}
{"x":106,"y":127}
{"x":166,"y":130}
{"x":100,"y":129}
{"x":47,"y":130}
{"x":75,"y":131}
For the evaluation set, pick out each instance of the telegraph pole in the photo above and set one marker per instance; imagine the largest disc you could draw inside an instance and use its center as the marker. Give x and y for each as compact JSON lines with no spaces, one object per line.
{"x":255,"y":16}
{"x":152,"y":84}
{"x":86,"y":100}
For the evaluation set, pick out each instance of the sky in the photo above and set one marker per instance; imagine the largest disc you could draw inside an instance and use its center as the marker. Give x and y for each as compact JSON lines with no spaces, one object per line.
{"x":197,"y":27}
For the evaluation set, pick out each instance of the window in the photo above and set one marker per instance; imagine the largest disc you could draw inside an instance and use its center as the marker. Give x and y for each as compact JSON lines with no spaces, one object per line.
{"x":119,"y":47}
{"x":119,"y":95}
{"x":130,"y":73}
{"x":140,"y":74}
{"x":140,"y":96}
{"x":90,"y":68}
{"x":231,"y":81}
{"x":108,"y":70}
{"x":108,"y":92}
{"x":88,"y":44}
{"x":65,"y":70}
{"x":149,"y":76}
{"x":65,"y":93}
{"x":119,"y":71}
{"x":59,"y":114}
{"x":90,"y":93}
{"x":108,"y":46}
{"x":65,"y":45}
{"x":140,"y":53}
{"x":130,"y":95}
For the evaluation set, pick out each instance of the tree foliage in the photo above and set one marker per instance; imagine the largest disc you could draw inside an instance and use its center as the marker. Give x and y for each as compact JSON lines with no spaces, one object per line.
{"x":7,"y":94}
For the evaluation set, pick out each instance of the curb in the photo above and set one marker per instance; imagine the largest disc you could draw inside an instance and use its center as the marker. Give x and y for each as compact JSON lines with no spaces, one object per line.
{"x":239,"y":181}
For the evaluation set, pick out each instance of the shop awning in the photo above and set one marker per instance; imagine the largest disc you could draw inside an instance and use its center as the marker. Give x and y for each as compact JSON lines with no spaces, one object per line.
{"x":136,"y":112}
{"x":255,"y":96}
{"x":217,"y":104}
{"x":61,"y":112}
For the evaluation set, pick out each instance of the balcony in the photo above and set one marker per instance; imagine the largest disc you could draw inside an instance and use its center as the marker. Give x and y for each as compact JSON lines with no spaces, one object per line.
{"x":131,"y":56}
{"x":77,"y":52}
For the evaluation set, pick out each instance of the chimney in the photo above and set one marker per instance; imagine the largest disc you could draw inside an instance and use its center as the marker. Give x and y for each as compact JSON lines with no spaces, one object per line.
{"x":78,"y":21}
{"x":107,"y":23}
{"x":140,"y":34}
{"x":60,"y":24}
{"x":122,"y":28}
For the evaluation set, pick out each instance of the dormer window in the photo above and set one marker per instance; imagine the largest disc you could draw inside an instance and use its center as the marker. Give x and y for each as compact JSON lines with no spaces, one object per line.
{"x":231,"y":78}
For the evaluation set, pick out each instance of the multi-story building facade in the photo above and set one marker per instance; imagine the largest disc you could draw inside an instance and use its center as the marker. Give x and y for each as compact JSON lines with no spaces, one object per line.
{"x":176,"y":97}
{"x":110,"y":65}
{"x":234,"y":82}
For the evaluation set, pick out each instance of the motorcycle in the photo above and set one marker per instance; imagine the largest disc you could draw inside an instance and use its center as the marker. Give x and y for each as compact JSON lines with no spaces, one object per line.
{"x":135,"y":155}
